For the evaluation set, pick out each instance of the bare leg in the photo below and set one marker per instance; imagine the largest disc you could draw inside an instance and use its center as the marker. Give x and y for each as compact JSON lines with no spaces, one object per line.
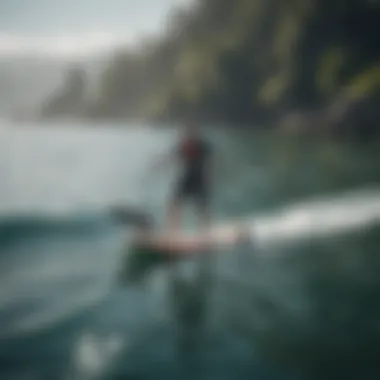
{"x":204,"y":212}
{"x":174,"y":215}
{"x":204,"y":218}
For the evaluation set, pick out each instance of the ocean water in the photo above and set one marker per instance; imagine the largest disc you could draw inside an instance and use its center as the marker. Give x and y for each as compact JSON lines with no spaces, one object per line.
{"x":301,"y":303}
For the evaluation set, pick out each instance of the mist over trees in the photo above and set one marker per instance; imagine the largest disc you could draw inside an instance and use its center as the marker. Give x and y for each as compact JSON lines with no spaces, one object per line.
{"x":71,"y":97}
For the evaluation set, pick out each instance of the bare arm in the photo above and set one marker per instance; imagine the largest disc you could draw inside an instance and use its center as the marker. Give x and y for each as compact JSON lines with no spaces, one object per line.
{"x":164,"y":159}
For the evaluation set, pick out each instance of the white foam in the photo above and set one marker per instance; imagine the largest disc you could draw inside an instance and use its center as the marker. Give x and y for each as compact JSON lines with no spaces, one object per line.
{"x":322,"y":217}
{"x":94,"y":353}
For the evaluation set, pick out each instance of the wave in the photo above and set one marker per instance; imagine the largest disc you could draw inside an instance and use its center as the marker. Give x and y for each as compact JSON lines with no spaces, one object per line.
{"x":49,"y":316}
{"x":312,"y":218}
{"x":14,"y":228}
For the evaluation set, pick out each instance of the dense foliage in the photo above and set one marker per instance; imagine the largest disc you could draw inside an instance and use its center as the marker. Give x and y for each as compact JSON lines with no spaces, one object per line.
{"x":246,"y":61}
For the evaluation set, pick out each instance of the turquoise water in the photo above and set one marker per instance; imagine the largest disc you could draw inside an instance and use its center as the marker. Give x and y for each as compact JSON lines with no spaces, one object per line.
{"x":301,"y":304}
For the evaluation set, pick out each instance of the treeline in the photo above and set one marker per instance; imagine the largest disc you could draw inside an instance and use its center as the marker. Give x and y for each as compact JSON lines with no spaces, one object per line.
{"x":250,"y":61}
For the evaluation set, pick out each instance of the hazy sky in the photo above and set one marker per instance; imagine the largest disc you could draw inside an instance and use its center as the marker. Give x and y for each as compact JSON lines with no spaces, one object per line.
{"x":77,"y":26}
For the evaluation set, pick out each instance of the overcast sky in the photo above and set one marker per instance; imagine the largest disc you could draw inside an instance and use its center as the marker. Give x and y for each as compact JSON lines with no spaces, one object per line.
{"x":70,"y":27}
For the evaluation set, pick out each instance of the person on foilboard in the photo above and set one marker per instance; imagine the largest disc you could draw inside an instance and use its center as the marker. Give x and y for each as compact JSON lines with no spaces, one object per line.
{"x":150,"y":248}
{"x":195,"y":154}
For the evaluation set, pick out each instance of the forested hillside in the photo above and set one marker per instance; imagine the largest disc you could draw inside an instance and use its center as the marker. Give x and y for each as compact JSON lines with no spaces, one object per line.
{"x":291,"y":62}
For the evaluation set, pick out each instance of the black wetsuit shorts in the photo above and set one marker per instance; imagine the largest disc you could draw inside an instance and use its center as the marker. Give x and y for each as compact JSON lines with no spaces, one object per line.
{"x":194,"y":183}
{"x":195,"y":189}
